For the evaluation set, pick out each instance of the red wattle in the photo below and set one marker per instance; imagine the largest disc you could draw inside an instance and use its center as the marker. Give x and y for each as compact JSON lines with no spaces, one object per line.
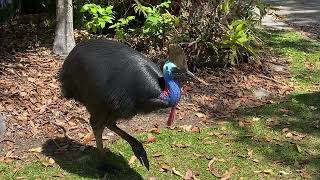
{"x":171,"y":116}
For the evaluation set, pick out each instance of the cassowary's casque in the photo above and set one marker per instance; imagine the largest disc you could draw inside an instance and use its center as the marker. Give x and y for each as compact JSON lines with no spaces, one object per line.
{"x":116,"y":82}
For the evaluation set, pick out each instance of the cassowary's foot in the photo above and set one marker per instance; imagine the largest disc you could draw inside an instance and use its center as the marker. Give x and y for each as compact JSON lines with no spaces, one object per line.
{"x":141,"y":154}
{"x":136,"y":145}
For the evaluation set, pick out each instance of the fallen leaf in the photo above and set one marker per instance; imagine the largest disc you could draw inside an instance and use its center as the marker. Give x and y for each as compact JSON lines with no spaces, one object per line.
{"x":214,"y":171}
{"x":283,"y":173}
{"x":154,"y":130}
{"x":255,"y":160}
{"x":210,"y":142}
{"x":132,"y":160}
{"x":164,"y":168}
{"x":198,"y":155}
{"x":38,"y":149}
{"x":227,"y":174}
{"x":186,"y":128}
{"x":157,"y":154}
{"x":87,"y":138}
{"x":150,"y":139}
{"x":211,"y":162}
{"x":176,"y":172}
{"x":284,"y":130}
{"x":189,"y":175}
{"x":200,"y":115}
{"x":180,"y":145}
{"x":152,"y":178}
{"x":195,"y":129}
{"x":289,"y":135}
{"x":250,"y":153}
{"x":284,"y":110}
{"x":268,"y":171}
{"x":298,"y":148}
{"x":60,"y":175}
{"x":305,"y":174}
{"x":49,"y":163}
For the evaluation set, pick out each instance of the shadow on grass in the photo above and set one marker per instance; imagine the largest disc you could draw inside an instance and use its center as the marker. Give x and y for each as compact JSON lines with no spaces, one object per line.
{"x":86,"y":163}
{"x":300,"y":114}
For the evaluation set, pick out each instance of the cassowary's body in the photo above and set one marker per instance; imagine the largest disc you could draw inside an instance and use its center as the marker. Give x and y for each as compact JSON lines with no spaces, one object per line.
{"x":116,"y":82}
{"x":110,"y":75}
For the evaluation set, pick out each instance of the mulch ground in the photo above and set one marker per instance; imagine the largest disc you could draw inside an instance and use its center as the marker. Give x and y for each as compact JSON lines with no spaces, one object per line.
{"x":34,"y":109}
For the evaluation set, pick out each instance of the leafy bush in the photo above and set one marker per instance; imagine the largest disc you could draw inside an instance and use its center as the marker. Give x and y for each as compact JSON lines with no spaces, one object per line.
{"x":159,"y":21}
{"x":120,"y":27}
{"x":99,"y":16}
{"x":220,"y":32}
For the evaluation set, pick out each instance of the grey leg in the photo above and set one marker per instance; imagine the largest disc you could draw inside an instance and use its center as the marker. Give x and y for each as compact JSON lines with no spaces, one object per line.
{"x":136,"y":145}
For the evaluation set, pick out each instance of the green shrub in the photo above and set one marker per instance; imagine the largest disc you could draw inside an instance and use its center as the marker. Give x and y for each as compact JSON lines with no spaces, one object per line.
{"x":220,"y":32}
{"x":120,"y":27}
{"x":159,"y":21}
{"x":99,"y":16}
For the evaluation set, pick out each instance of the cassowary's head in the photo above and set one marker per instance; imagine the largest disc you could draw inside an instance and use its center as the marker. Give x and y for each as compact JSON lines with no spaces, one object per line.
{"x":176,"y":67}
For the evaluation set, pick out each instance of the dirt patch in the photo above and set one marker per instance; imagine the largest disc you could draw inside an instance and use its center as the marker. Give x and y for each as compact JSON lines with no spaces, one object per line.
{"x":30,"y":98}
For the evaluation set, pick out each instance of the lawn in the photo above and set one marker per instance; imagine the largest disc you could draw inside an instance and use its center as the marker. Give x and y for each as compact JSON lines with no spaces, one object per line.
{"x":280,"y":140}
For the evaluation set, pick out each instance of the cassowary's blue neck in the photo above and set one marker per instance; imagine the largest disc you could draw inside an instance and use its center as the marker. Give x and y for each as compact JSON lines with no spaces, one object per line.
{"x":172,"y":91}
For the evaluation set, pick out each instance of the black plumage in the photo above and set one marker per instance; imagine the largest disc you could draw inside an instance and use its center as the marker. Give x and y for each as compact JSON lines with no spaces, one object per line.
{"x":114,"y":82}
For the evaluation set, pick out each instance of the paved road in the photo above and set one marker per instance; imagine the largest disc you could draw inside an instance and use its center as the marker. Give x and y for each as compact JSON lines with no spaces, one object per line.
{"x":301,"y":14}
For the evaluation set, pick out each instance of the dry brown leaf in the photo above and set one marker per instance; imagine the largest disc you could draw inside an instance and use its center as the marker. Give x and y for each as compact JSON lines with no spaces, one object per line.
{"x":180,"y":145}
{"x":298,"y":148}
{"x":283,"y":173}
{"x":211,"y":162}
{"x":189,"y":175}
{"x":250,"y":153}
{"x":87,"y":138}
{"x":195,"y":129}
{"x":152,"y":178}
{"x":198,"y":155}
{"x":256,"y":160}
{"x":150,"y":139}
{"x":210,"y":142}
{"x":164,"y":167}
{"x":38,"y":149}
{"x":227,"y":174}
{"x":176,"y":172}
{"x":49,"y":163}
{"x":186,"y":128}
{"x":154,"y":130}
{"x":60,"y":175}
{"x":200,"y":115}
{"x":158,"y":154}
{"x":289,"y":135}
{"x":132,"y":160}
{"x":214,"y":171}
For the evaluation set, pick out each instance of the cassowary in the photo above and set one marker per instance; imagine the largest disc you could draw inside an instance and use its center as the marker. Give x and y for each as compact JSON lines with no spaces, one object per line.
{"x":116,"y":82}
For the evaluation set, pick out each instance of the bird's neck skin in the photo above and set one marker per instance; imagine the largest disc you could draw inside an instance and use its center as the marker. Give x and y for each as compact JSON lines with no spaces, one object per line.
{"x":172,"y":91}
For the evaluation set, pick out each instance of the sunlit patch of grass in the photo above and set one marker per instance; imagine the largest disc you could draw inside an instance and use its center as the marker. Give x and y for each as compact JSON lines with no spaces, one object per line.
{"x":305,"y":55}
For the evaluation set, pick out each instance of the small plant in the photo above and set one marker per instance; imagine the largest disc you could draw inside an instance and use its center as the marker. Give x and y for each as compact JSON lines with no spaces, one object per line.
{"x":158,"y":19}
{"x":238,"y":38}
{"x":120,"y":27}
{"x":99,"y":16}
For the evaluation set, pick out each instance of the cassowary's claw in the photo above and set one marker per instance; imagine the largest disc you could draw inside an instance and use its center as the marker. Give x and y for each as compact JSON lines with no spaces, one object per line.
{"x":141,"y":154}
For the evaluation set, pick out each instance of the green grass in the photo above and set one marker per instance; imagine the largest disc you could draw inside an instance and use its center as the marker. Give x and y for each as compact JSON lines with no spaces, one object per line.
{"x":305,"y":55}
{"x":274,"y":150}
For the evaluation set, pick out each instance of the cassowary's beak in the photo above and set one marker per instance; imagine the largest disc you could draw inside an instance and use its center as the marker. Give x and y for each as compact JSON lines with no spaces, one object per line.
{"x":196,"y":77}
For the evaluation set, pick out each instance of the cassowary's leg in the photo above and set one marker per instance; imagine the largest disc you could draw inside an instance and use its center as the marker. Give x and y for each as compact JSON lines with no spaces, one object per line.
{"x":136,"y":145}
{"x":97,"y":131}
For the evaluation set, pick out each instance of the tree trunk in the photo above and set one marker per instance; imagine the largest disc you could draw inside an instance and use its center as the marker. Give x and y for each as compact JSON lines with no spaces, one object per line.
{"x":64,"y":40}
